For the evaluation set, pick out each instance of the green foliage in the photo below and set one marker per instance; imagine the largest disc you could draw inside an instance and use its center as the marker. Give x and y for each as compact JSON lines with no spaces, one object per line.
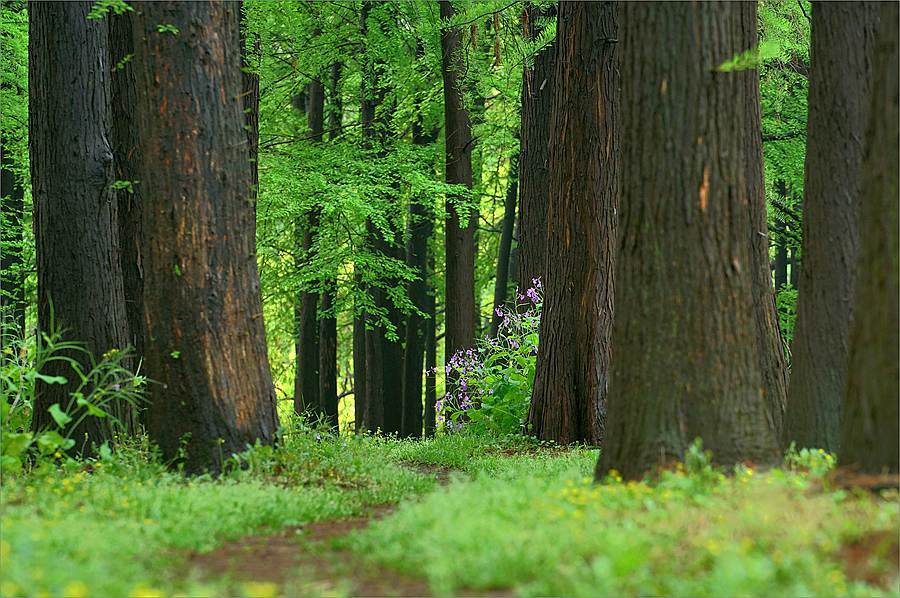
{"x":816,"y":462}
{"x":786,"y":306}
{"x":101,"y":8}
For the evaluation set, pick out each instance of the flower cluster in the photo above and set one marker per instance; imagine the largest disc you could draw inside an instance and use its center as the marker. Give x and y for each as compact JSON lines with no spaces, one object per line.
{"x":489,"y":386}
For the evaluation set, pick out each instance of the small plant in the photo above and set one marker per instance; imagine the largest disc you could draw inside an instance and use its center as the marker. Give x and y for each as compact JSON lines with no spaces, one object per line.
{"x":490,"y":384}
{"x":815,"y":462}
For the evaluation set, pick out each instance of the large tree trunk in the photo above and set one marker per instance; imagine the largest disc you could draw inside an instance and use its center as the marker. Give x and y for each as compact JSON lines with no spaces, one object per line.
{"x":843,"y":37}
{"x":869,"y":428}
{"x":686,"y":362}
{"x":127,"y":160}
{"x":12,"y":238}
{"x":501,"y":281}
{"x":569,"y":395}
{"x":306,"y":381}
{"x":206,"y":345}
{"x":76,"y":218}
{"x":459,"y":242}
{"x":534,"y":175}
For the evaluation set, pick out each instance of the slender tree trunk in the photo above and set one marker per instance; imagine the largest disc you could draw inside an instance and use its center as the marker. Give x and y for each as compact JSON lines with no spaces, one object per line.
{"x":686,"y":360}
{"x":206,"y":345}
{"x":360,"y":395}
{"x":534,"y":175}
{"x":430,"y":354}
{"x":843,"y":38}
{"x":306,"y":382}
{"x":501,"y":282}
{"x":76,"y":218}
{"x":794,"y":261}
{"x":12,"y":239}
{"x":335,"y":103}
{"x":459,"y":240}
{"x":869,"y":428}
{"x":569,"y":395}
{"x":127,"y":160}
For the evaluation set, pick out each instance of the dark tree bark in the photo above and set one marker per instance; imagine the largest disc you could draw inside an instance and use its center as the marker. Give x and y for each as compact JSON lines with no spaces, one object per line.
{"x":569,"y":395}
{"x":306,"y":381}
{"x":77,"y":243}
{"x":420,"y":227}
{"x":534,"y":176}
{"x":12,"y":238}
{"x":869,"y":427}
{"x":250,"y":59}
{"x":794,"y":261}
{"x":359,"y":362}
{"x":206,"y":343}
{"x":335,"y":102}
{"x":430,"y":356}
{"x":843,"y":37}
{"x":459,"y":241}
{"x":686,"y":359}
{"x":501,"y":281}
{"x":127,"y":161}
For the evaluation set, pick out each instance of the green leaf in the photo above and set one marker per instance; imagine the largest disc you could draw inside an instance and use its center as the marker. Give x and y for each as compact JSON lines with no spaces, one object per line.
{"x":16,"y":443}
{"x":50,"y":441}
{"x":50,"y":379}
{"x":92,"y":409}
{"x":59,"y":416}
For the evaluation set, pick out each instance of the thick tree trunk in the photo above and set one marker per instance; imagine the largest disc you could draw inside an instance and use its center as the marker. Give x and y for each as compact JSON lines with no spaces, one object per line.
{"x":501,"y":281}
{"x":843,"y":38}
{"x":250,"y":62}
{"x":306,"y":382}
{"x":76,"y":219}
{"x":869,"y":428}
{"x":569,"y":395}
{"x":12,"y":238}
{"x":459,"y":242}
{"x":534,"y":175}
{"x":686,"y":360}
{"x":420,"y":226}
{"x":206,"y":345}
{"x":127,"y":160}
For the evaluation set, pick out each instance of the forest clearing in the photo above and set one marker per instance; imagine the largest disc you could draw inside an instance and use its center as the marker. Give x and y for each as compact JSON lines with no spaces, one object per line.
{"x":449,"y":298}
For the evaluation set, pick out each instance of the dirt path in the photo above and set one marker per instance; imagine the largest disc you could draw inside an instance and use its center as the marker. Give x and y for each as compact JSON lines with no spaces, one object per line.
{"x":305,"y":561}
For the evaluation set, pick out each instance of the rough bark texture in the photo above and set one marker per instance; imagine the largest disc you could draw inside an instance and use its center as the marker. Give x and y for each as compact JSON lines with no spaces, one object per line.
{"x":534,"y":175}
{"x":569,"y":395}
{"x":501,"y":280}
{"x":420,"y":226}
{"x":12,"y":238}
{"x":685,"y":361}
{"x":843,"y":37}
{"x":76,"y":233}
{"x":206,"y":344}
{"x":127,"y":161}
{"x":306,"y":381}
{"x":250,"y":63}
{"x":869,"y":428}
{"x":459,"y":243}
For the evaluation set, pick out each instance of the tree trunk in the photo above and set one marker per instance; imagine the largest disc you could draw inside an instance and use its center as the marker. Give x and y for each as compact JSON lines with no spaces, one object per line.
{"x":534,"y":176}
{"x":501,"y":281}
{"x":420,"y":227}
{"x":250,"y":63}
{"x":12,"y":238}
{"x":335,"y":103}
{"x":77,"y":242}
{"x":430,"y":354}
{"x":306,"y":382}
{"x":843,"y":37}
{"x":360,"y":395}
{"x":459,"y":242}
{"x":127,"y":160}
{"x":206,"y":345}
{"x":686,"y":360}
{"x":869,"y":429}
{"x":569,"y":395}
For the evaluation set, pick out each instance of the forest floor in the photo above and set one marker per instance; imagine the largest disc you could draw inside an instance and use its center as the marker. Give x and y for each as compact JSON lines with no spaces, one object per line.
{"x":456,"y":515}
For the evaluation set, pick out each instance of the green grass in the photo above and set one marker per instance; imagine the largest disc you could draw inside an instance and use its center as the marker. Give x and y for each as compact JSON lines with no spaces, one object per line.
{"x":517,"y":516}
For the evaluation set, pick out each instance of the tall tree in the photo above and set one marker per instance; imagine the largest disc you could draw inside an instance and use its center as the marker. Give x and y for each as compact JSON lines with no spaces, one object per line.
{"x":569,"y":395}
{"x":534,"y":176}
{"x":686,"y":359}
{"x":501,"y":280}
{"x":843,"y":37}
{"x":306,"y":381}
{"x":206,"y":340}
{"x":459,"y":240}
{"x":127,"y":160}
{"x":77,"y":243}
{"x":869,"y":427}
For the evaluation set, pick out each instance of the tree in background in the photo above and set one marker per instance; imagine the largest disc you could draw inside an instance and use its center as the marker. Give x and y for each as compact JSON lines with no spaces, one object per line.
{"x":569,"y":395}
{"x":685,"y":361}
{"x":843,"y":37}
{"x":206,"y":345}
{"x":869,"y":427}
{"x":76,"y":213}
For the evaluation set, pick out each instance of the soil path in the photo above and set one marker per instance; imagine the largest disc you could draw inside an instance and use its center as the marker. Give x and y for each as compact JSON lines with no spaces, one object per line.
{"x":304,"y":560}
